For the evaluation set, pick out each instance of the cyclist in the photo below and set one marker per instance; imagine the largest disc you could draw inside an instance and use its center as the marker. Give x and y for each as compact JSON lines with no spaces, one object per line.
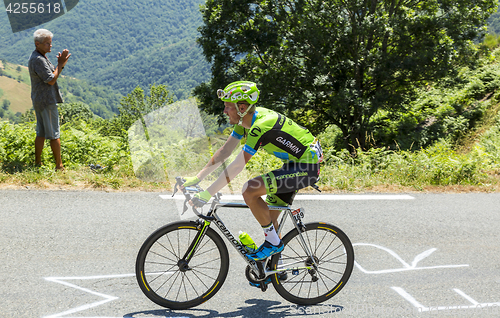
{"x":278,"y":135}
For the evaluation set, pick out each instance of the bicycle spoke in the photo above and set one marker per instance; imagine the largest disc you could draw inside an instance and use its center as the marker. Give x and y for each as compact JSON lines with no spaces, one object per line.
{"x":196,"y":273}
{"x":330,"y":261}
{"x":180,"y":287}
{"x":309,"y":292}
{"x":293,"y":250}
{"x":159,"y":263}
{"x":172,"y":285}
{"x":328,"y":277}
{"x":334,"y":250}
{"x":308,"y":243}
{"x":162,"y":256}
{"x":328,"y":247}
{"x":321,"y":242}
{"x":200,"y":254}
{"x":300,"y":281}
{"x":330,"y":270}
{"x":192,"y":286}
{"x":173,"y":249}
{"x":163,"y":273}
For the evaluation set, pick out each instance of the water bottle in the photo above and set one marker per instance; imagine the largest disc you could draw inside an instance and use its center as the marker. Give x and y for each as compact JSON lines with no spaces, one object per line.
{"x":247,"y":242}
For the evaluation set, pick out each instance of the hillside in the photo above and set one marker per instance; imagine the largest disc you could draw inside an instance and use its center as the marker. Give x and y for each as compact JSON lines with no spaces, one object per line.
{"x":494,"y":23}
{"x":15,"y":88}
{"x":122,"y":44}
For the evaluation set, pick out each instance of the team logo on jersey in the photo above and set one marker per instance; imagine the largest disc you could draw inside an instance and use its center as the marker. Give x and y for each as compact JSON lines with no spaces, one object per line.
{"x":288,"y":144}
{"x":255,"y":131}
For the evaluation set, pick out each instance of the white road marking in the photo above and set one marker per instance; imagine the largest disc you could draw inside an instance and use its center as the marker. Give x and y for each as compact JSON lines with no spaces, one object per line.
{"x":312,"y":197}
{"x":107,"y":298}
{"x":406,"y":266}
{"x":421,"y":308}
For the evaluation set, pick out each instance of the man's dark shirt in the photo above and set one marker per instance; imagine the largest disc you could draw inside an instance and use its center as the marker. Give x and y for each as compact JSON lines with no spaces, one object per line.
{"x":41,"y":72}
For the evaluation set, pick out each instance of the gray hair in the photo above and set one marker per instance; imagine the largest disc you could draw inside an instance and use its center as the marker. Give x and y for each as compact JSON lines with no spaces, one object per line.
{"x":41,"y":34}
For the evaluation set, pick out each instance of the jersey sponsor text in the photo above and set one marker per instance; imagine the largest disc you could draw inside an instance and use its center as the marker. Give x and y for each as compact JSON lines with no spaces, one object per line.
{"x":288,"y":144}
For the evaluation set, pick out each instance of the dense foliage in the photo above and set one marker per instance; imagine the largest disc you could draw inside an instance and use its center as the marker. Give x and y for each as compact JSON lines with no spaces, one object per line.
{"x":340,"y":68}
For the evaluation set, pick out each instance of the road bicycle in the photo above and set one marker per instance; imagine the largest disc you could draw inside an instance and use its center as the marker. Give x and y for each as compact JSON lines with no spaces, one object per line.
{"x":183,"y":264}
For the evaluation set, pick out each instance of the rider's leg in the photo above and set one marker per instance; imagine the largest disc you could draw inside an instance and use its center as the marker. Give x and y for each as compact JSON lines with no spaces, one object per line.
{"x":253,"y":191}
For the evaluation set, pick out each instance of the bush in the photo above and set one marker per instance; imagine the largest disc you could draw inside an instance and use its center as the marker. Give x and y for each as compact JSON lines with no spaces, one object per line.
{"x":75,"y":111}
{"x":438,"y":165}
{"x":17,"y":146}
{"x":81,"y":144}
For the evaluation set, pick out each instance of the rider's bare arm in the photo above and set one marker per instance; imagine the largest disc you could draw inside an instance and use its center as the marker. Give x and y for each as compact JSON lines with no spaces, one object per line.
{"x":219,"y":157}
{"x":230,"y":172}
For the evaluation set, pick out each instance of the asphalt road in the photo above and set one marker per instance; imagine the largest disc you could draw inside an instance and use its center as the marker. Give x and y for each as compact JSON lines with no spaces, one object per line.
{"x":72,"y":254}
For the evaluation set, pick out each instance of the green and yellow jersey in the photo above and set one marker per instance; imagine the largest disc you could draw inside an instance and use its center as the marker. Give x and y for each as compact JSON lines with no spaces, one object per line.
{"x":279,"y":136}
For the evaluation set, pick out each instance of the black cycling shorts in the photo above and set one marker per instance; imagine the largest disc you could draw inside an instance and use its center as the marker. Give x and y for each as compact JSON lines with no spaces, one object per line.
{"x":282,"y":184}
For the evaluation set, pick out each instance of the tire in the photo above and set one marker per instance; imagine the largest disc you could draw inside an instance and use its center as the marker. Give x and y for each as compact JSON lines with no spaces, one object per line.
{"x":160,"y":276}
{"x":334,"y":254}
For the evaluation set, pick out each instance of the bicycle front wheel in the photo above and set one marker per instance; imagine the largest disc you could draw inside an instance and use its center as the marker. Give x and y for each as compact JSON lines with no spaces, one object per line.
{"x":318,"y":264}
{"x":167,"y":280}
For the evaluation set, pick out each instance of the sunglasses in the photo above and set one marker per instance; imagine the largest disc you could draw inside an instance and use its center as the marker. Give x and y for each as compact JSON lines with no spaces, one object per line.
{"x":220,"y":93}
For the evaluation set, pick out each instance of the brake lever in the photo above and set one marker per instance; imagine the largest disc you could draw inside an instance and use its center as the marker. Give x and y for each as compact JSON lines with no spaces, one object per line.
{"x":188,"y":197}
{"x":179,"y":181}
{"x":175,"y":190}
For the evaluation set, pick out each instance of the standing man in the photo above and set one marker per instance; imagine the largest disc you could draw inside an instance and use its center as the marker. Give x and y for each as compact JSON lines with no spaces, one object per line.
{"x":45,"y":95}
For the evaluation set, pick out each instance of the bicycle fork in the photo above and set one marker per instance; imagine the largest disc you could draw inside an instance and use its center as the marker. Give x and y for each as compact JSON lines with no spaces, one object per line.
{"x":183,"y":263}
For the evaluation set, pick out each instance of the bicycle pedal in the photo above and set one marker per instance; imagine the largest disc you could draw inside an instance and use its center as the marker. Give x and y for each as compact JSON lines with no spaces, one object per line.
{"x":261,"y":284}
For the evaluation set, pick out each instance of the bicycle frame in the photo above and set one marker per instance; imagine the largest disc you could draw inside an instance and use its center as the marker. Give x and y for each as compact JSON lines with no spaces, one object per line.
{"x":257,"y":267}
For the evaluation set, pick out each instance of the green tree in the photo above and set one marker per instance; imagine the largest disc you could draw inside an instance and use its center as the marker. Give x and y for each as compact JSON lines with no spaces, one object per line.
{"x":136,"y":105}
{"x":6,"y":104}
{"x":336,"y":62}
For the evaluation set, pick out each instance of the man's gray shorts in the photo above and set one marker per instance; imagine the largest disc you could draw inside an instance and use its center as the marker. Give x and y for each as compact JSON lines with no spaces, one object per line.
{"x":47,"y":122}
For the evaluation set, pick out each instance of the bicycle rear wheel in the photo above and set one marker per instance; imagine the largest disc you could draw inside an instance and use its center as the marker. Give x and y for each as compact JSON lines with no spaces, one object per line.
{"x":306,"y":284}
{"x":167,"y":280}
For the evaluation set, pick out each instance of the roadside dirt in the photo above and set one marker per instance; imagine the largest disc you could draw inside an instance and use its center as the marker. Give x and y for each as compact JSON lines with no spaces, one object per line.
{"x":84,"y":186}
